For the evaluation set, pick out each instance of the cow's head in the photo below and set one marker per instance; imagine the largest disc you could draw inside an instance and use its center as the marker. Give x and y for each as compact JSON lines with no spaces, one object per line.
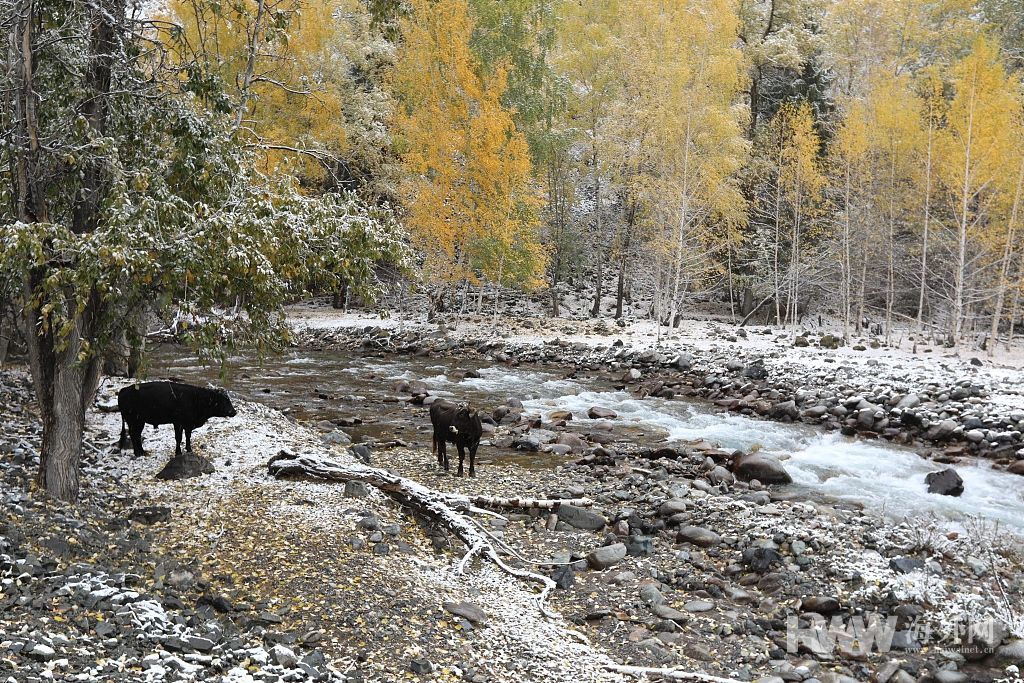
{"x":465,"y":413}
{"x":222,"y":404}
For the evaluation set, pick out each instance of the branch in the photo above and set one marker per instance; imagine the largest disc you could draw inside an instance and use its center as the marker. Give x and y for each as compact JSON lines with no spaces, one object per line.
{"x":671,"y":674}
{"x":442,"y":506}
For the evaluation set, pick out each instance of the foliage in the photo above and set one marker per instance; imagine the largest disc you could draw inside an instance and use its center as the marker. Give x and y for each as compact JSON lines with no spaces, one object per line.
{"x":470,"y":205}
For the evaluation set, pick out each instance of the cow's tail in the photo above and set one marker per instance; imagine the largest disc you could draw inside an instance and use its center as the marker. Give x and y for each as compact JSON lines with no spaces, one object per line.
{"x":123,"y":441}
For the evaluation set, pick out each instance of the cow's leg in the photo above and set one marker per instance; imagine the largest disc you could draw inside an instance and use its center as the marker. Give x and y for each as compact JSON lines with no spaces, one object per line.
{"x":442,"y":453}
{"x":472,"y":460}
{"x":462,"y":456}
{"x":177,"y":440}
{"x":135,"y":432}
{"x":188,"y":440}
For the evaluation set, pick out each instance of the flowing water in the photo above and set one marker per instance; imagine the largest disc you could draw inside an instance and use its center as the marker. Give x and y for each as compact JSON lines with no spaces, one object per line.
{"x":333,"y":385}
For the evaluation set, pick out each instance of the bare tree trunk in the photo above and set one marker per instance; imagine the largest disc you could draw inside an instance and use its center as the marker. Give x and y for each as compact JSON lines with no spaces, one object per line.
{"x":1015,"y":308}
{"x":595,"y":311}
{"x":959,"y":275}
{"x":684,"y":218}
{"x":890,"y":285}
{"x":250,"y":64}
{"x":497,"y":290}
{"x":927,"y":224}
{"x":620,"y":292}
{"x":778,"y":238}
{"x":1007,"y":260}
{"x":847,"y":283}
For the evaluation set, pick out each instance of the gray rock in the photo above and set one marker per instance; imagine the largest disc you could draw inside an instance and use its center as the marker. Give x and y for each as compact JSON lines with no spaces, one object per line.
{"x":185,"y":466}
{"x":639,"y":546}
{"x":467,"y":611}
{"x":663,"y":611}
{"x":909,"y":402}
{"x":943,"y":430}
{"x":42,"y":652}
{"x":720,"y":475}
{"x":563,"y":576}
{"x":699,"y":606}
{"x":597,"y":412}
{"x":945,"y":482}
{"x":765,"y":468}
{"x":337,"y":438}
{"x":608,"y":556}
{"x":356,"y":489}
{"x":699,"y":536}
{"x":650,"y":594}
{"x":283,"y":656}
{"x":673,"y":506}
{"x":581,"y":518}
{"x":761,"y":559}
{"x":905,"y":565}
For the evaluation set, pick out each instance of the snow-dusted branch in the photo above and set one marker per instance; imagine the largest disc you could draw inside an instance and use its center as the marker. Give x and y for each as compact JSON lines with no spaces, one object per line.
{"x":446,"y":507}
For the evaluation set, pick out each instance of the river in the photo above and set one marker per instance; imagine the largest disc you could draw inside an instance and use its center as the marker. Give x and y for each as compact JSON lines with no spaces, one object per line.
{"x":360,"y":390}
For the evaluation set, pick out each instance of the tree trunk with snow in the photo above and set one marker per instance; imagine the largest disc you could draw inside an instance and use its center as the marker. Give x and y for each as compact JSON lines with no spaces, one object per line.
{"x":65,"y":373}
{"x":1005,"y":263}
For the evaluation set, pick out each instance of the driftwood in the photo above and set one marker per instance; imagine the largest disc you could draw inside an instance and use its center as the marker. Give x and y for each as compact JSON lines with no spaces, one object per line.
{"x":669,"y":674}
{"x":448,"y":508}
{"x":755,"y":309}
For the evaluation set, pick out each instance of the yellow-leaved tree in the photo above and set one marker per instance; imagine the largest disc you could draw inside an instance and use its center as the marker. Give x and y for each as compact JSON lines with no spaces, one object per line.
{"x":468,"y":197}
{"x":895,"y":138}
{"x":975,"y":148}
{"x":802,"y":182}
{"x":299,"y":78}
{"x":851,"y":170}
{"x":686,"y":72}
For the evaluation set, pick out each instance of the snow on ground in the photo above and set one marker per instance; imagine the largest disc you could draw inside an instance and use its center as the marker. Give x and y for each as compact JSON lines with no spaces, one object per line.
{"x":289,"y":538}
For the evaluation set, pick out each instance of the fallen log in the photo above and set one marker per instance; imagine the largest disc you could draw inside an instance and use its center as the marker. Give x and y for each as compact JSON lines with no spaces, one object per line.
{"x":447,"y":508}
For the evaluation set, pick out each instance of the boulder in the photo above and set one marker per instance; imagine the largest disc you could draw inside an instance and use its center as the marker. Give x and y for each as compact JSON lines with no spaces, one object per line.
{"x":597,"y":413}
{"x":945,"y":482}
{"x":673,"y":506}
{"x":905,"y":565}
{"x":755,"y":371}
{"x":1016,"y":467}
{"x":605,"y":557}
{"x":186,"y":466}
{"x":466,"y":610}
{"x":697,"y":535}
{"x":943,"y":430}
{"x":581,"y":518}
{"x":574,"y":442}
{"x":765,"y":468}
{"x":785,"y":409}
{"x":820,"y":605}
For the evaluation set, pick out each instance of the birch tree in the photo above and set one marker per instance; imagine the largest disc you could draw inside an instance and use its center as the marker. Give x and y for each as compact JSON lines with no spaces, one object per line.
{"x":973,"y":148}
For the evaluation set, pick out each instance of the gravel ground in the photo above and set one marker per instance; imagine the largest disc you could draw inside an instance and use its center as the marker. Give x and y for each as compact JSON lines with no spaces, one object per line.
{"x":237,"y":576}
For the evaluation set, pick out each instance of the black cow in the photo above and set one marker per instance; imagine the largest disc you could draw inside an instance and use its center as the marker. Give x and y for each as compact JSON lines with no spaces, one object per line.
{"x":157,"y":403}
{"x":458,"y":424}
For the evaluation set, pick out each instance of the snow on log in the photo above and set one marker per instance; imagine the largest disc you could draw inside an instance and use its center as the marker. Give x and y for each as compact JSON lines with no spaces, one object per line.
{"x":445,"y":507}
